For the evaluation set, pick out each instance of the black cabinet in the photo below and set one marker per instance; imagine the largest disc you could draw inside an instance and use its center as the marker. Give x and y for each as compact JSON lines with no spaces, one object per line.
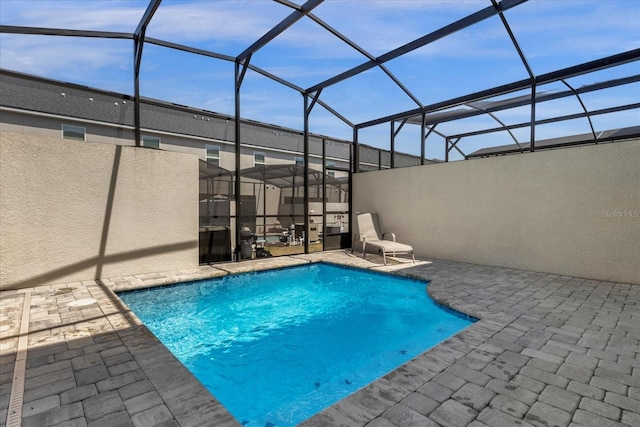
{"x":215,"y":244}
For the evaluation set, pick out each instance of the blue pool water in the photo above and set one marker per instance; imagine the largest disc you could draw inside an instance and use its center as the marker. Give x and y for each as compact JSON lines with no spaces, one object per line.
{"x":276,"y":347}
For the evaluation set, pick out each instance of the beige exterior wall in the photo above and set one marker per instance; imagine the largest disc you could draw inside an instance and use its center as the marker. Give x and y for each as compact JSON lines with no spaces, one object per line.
{"x":41,"y":125}
{"x":74,"y":210}
{"x":570,"y":212}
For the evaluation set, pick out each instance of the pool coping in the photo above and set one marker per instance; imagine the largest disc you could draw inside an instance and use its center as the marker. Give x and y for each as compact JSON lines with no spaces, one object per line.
{"x":180,"y":398}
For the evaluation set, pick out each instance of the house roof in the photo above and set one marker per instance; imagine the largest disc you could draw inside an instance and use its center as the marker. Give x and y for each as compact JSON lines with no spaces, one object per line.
{"x":602,"y":137}
{"x":40,"y":95}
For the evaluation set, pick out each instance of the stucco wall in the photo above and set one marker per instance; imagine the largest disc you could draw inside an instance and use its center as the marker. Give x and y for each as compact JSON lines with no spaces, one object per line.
{"x":570,"y":212}
{"x":33,"y":123}
{"x":76,"y":210}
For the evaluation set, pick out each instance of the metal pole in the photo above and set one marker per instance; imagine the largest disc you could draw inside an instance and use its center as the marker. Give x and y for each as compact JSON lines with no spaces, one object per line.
{"x":532,"y":145}
{"x":446,"y":149}
{"x":238,"y":83}
{"x":356,"y":152}
{"x":423,"y":137}
{"x":306,"y":173}
{"x":393,"y":144}
{"x":264,"y":204}
{"x":324,"y":191}
{"x":355,"y":166}
{"x":137,"y":47}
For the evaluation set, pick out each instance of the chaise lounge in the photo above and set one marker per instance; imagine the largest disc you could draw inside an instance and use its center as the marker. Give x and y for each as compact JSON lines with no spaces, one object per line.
{"x":368,"y":235}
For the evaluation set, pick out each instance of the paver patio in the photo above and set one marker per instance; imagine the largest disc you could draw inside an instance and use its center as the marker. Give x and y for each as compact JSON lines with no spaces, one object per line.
{"x":548,"y":351}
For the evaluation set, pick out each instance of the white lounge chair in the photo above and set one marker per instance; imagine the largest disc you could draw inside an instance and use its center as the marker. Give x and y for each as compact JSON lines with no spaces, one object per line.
{"x":368,"y":235}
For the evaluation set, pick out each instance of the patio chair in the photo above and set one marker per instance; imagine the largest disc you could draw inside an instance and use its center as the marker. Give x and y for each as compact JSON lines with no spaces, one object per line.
{"x":368,"y":235}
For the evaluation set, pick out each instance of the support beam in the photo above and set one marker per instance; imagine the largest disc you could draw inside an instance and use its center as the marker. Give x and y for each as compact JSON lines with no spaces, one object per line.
{"x":450,"y":146}
{"x":584,"y":108}
{"x":356,"y":152}
{"x":278,"y":29}
{"x":479,"y":108}
{"x":146,"y":18}
{"x":324,"y":189}
{"x":189,"y":49}
{"x":503,"y":124}
{"x":423,"y":138}
{"x":238,"y":211}
{"x":454,"y":27}
{"x":242,"y":72}
{"x":15,"y":29}
{"x":577,"y":70}
{"x":446,"y":149}
{"x":366,"y":54}
{"x":315,"y":97}
{"x":393,"y":145}
{"x":514,"y":41}
{"x":404,"y":122}
{"x":532,"y":143}
{"x":350,"y":208}
{"x":455,"y":145}
{"x":251,"y":67}
{"x":307,"y":111}
{"x":138,"y":45}
{"x":521,"y":125}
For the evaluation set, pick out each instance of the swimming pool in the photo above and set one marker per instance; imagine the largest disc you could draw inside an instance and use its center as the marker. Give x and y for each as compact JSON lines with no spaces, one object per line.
{"x":276,"y":347}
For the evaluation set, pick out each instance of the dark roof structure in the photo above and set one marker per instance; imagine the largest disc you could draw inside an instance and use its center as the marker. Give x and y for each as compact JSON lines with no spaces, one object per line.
{"x":530,"y":92}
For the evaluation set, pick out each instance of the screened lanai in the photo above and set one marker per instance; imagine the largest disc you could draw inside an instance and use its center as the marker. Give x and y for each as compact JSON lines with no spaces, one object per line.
{"x":365,"y":85}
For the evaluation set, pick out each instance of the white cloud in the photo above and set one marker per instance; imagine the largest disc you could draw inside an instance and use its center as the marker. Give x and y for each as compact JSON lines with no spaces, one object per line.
{"x":380,"y":26}
{"x":574,"y":28}
{"x":115,"y":15}
{"x":81,"y":60}
{"x":71,"y":56}
{"x":214,"y":21}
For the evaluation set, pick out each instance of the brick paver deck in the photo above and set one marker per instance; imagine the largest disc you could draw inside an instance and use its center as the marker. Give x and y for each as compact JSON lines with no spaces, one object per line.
{"x":548,"y":351}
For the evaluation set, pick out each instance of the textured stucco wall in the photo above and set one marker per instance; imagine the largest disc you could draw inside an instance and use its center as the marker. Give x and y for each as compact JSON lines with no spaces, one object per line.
{"x":570,"y":212}
{"x":51,"y":126}
{"x":76,"y":210}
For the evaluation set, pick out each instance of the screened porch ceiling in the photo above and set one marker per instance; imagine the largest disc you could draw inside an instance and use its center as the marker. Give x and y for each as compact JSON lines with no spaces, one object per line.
{"x":467,"y":75}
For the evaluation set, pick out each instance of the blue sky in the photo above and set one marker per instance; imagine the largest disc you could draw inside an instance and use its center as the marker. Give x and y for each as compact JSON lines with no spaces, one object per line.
{"x":552,"y":33}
